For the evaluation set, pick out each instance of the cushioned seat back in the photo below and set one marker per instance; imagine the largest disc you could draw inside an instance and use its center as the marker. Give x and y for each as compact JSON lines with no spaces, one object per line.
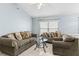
{"x":52,"y":34}
{"x":10,"y":35}
{"x":25,"y":34}
{"x":23,"y":42}
{"x":57,"y":34}
{"x":29,"y":34}
{"x":18,"y":36}
{"x":45,"y":34}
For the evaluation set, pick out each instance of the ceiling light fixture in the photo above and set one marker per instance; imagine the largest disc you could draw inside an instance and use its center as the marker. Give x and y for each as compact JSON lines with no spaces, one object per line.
{"x":40,"y":5}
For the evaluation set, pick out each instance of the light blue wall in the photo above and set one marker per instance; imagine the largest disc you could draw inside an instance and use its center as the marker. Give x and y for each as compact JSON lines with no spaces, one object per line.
{"x":13,"y":19}
{"x":69,"y":24}
{"x":35,"y":26}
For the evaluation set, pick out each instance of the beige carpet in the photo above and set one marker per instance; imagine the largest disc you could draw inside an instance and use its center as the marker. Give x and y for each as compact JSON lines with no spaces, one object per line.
{"x":37,"y":52}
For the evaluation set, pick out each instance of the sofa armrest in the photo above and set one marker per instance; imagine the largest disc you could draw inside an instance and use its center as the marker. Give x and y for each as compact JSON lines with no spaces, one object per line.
{"x":34,"y":35}
{"x":62,"y":44}
{"x":8,"y":42}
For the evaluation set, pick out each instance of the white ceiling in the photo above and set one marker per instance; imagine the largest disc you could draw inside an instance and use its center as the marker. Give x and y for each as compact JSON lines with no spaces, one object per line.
{"x":49,"y":9}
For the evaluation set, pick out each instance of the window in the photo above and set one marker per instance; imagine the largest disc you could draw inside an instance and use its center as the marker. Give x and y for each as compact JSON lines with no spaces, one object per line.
{"x":43,"y":27}
{"x":53,"y":26}
{"x":48,"y":26}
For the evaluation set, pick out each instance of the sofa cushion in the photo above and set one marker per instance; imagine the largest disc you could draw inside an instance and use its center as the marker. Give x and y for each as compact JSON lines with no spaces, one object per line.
{"x":18,"y":36}
{"x":22,"y":42}
{"x":56,"y":34}
{"x":32,"y":39}
{"x":52,"y":34}
{"x":29,"y":34}
{"x":11,"y":35}
{"x":49,"y":34}
{"x":45,"y":34}
{"x":24,"y":35}
{"x":68,"y":38}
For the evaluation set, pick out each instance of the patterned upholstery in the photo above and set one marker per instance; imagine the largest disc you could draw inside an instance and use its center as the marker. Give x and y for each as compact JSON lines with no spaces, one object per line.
{"x":11,"y":35}
{"x":24,"y":35}
{"x":52,"y":34}
{"x":29,"y":34}
{"x":45,"y":34}
{"x":18,"y":36}
{"x":57,"y":36}
{"x":16,"y":43}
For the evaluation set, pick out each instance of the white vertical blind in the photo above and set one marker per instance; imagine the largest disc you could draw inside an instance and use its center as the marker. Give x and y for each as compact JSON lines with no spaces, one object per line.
{"x":43,"y":30}
{"x":53,"y":24}
{"x":48,"y":26}
{"x":44,"y":24}
{"x":53,"y":30}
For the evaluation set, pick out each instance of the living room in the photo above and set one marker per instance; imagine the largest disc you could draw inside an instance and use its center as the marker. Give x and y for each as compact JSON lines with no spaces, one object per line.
{"x":21,"y":24}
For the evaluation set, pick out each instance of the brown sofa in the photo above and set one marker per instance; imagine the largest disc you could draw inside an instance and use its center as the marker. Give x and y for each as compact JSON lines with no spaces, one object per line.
{"x":15,"y":43}
{"x":57,"y":36}
{"x":67,"y":47}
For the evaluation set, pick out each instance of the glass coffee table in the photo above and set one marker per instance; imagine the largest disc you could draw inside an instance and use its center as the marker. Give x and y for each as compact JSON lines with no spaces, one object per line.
{"x":41,"y":43}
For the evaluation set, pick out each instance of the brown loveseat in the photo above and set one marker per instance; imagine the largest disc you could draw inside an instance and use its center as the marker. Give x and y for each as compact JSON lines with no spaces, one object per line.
{"x":57,"y":36}
{"x":16,"y":43}
{"x":68,"y":47}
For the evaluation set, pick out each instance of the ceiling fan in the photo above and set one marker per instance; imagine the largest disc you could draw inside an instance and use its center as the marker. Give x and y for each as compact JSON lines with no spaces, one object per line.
{"x":39,"y":5}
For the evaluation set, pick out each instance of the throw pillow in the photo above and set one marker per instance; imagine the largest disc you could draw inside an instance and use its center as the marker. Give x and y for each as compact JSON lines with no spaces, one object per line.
{"x":23,"y":34}
{"x":43,"y":35}
{"x":50,"y":35}
{"x":11,"y":35}
{"x":46,"y":34}
{"x":18,"y":36}
{"x":56,"y":34}
{"x":29,"y":34}
{"x":59,"y":34}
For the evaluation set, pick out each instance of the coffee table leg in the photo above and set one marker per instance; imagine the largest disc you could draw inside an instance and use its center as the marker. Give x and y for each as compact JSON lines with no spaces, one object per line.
{"x":36,"y":46}
{"x":44,"y":47}
{"x":45,"y":44}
